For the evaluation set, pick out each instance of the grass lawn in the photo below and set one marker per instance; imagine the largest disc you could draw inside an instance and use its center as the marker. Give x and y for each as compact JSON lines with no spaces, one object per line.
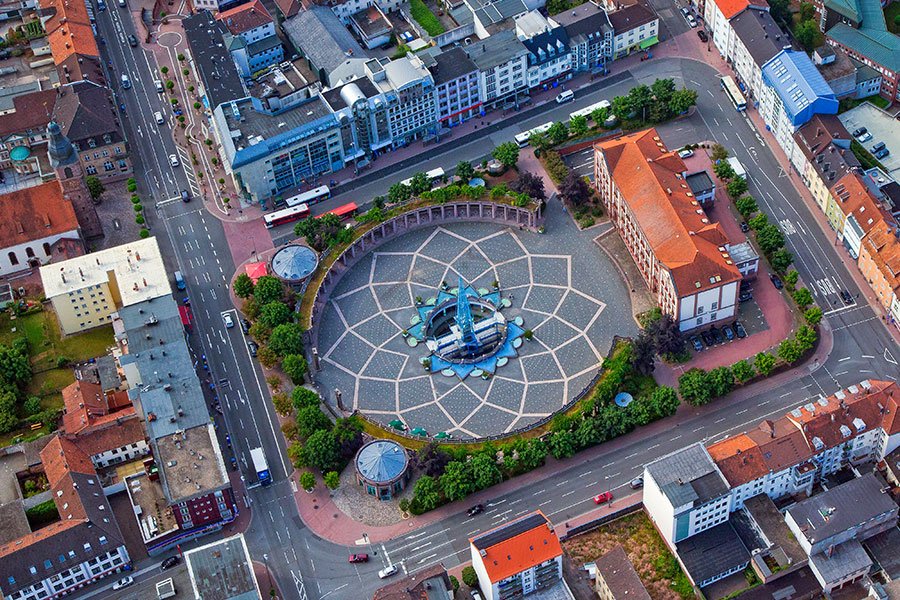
{"x":424,"y":17}
{"x":891,"y":11}
{"x":45,"y":343}
{"x":48,"y":383}
{"x":655,"y":565}
{"x":848,"y":103}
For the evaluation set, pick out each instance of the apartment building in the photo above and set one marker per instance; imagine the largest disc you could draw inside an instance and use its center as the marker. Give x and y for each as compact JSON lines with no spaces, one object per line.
{"x":717,"y":15}
{"x":616,"y":578}
{"x":87,"y":290}
{"x":822,"y":156}
{"x":679,"y":252}
{"x":879,"y":262}
{"x":431,"y":583}
{"x":227,"y":560}
{"x":549,"y":56}
{"x":253,"y":42}
{"x":456,"y":87}
{"x":26,"y":125}
{"x":852,"y":211}
{"x":635,"y":27}
{"x":517,"y":558}
{"x":753,"y":39}
{"x":502,"y":61}
{"x":372,"y":26}
{"x":590,"y":36}
{"x":410,"y":92}
{"x":72,"y":43}
{"x":217,"y":74}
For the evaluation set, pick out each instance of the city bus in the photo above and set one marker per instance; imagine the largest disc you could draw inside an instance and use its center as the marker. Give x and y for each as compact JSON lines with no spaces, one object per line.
{"x":522,"y":138}
{"x":734,"y":93}
{"x":287,"y":215}
{"x":344,"y":212}
{"x":309,"y":198}
{"x":434,"y":176}
{"x":587,"y":110}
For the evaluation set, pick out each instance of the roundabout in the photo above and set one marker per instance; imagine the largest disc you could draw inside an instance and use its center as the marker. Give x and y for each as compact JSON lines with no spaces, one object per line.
{"x":470,"y":330}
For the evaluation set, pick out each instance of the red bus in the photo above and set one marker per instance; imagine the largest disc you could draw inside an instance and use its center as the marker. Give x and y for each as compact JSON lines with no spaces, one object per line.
{"x":344,"y":212}
{"x":287,"y":215}
{"x":185,"y":314}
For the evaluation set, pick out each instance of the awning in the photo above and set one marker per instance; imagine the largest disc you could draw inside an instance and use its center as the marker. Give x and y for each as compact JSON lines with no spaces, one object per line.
{"x":649,"y":42}
{"x":256,"y":270}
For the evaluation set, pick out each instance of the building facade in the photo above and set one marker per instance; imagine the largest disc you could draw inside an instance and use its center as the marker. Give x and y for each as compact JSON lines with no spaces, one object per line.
{"x":879,"y":262}
{"x":549,"y":56}
{"x":822,"y":156}
{"x":259,"y":46}
{"x":590,"y":36}
{"x":456,"y":87}
{"x":502,"y":61}
{"x":635,"y":27}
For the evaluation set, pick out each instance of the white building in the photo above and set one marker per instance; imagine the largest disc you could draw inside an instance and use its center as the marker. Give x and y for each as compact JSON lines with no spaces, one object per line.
{"x":753,"y":38}
{"x":409,"y":88}
{"x":502,"y":61}
{"x":456,"y":87}
{"x":549,"y":58}
{"x":635,"y":27}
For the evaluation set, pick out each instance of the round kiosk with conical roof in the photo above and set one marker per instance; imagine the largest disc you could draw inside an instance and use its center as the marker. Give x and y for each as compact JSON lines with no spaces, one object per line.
{"x":382,"y":468}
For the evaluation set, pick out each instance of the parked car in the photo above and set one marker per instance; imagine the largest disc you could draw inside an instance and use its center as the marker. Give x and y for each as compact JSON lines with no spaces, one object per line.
{"x":744,"y":227}
{"x":123,"y":583}
{"x":728,"y":333}
{"x":387,"y":571}
{"x":604,"y":497}
{"x":686,"y":153}
{"x":245,"y":325}
{"x":745,"y":297}
{"x":132,"y":41}
{"x":707,"y":338}
{"x":864,"y":138}
{"x":637,"y":482}
{"x":253,"y":347}
{"x":776,"y":282}
{"x":358,"y":558}
{"x":159,"y":86}
{"x":860,"y":131}
{"x":739,"y":330}
{"x":696,"y":343}
{"x":716,"y":335}
{"x":882,"y":153}
{"x":476,"y":595}
{"x":477,"y":509}
{"x":702,"y":35}
{"x":169,"y":562}
{"x":846,"y":297}
{"x":229,"y":321}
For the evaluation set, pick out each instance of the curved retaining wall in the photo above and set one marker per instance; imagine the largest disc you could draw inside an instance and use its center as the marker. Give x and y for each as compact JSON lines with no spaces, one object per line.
{"x":426,"y":216}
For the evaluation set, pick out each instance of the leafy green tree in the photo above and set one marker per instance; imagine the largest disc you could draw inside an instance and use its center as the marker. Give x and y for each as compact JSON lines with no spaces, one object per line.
{"x":743,"y":371}
{"x":575,"y":189}
{"x":806,"y":337}
{"x":737,"y":187}
{"x":297,"y":453}
{"x":758,"y":222}
{"x":724,"y":170}
{"x":295,"y":367}
{"x":307,"y":480}
{"x":323,"y":451}
{"x":427,"y":492}
{"x":243,"y":286}
{"x":769,"y":238}
{"x":764,"y":363}
{"x":8,"y":419}
{"x":465,"y":171}
{"x":485,"y":470}
{"x":310,"y":420}
{"x":808,"y":34}
{"x":640,"y":412}
{"x":533,"y":455}
{"x":721,"y":381}
{"x":562,"y":445}
{"x":470,"y":577}
{"x":558,"y":132}
{"x":507,"y":153}
{"x":682,"y":100}
{"x":807,"y":11}
{"x":803,"y":298}
{"x":458,"y":480}
{"x":791,"y":277}
{"x":260,"y":332}
{"x":419,"y":183}
{"x":781,"y":259}
{"x":578,"y":125}
{"x":455,"y":583}
{"x":663,"y":89}
{"x":694,"y":387}
{"x":539,"y":140}
{"x":399,"y":193}
{"x":286,"y":339}
{"x":268,"y":289}
{"x":643,"y":353}
{"x":332,"y":480}
{"x":283,"y":405}
{"x":664,"y":401}
{"x":621,"y":107}
{"x":32,"y":406}
{"x":746,"y":205}
{"x":267,"y":357}
{"x":640,"y":97}
{"x":789,"y":351}
{"x":719,"y":153}
{"x":781,"y":11}
{"x":15,"y":366}
{"x":94,"y":186}
{"x":599,"y":115}
{"x":274,"y":314}
{"x":304,"y":397}
{"x":813,"y":315}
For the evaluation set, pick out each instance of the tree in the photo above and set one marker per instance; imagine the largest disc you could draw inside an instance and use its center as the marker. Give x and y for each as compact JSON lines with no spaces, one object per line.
{"x":283,"y":405}
{"x":243,"y":286}
{"x":781,"y":259}
{"x":15,"y":366}
{"x":268,"y":289}
{"x":813,"y":315}
{"x":694,"y":388}
{"x":574,"y":189}
{"x":743,"y":371}
{"x":803,"y":298}
{"x":260,"y":332}
{"x":533,"y":455}
{"x":769,"y":238}
{"x":643,"y":353}
{"x":94,"y":186}
{"x":267,"y":357}
{"x":297,"y":453}
{"x":507,"y":153}
{"x":578,"y":125}
{"x":32,"y":406}
{"x":664,"y":401}
{"x":808,"y":34}
{"x":724,"y":170}
{"x":791,"y":278}
{"x":531,"y":184}
{"x":399,"y":193}
{"x":470,"y":577}
{"x":307,"y":480}
{"x":332,"y":480}
{"x":287,"y":338}
{"x":310,"y":420}
{"x":789,"y":351}
{"x":323,"y":451}
{"x":295,"y":367}
{"x":485,"y":470}
{"x":455,"y":583}
{"x":663,"y":89}
{"x":807,"y":11}
{"x":558,"y":132}
{"x":431,"y":460}
{"x":621,"y":107}
{"x":458,"y":480}
{"x":8,"y":419}
{"x":274,"y":314}
{"x":599,"y":115}
{"x":562,"y":445}
{"x":764,"y":363}
{"x":427,"y":492}
{"x":721,"y":381}
{"x":719,"y":153}
{"x":640,"y":97}
{"x":746,"y":205}
{"x":758,"y":222}
{"x":539,"y":140}
{"x":781,"y":11}
{"x":737,"y":187}
{"x":682,"y":100}
{"x":806,"y":337}
{"x":667,"y":335}
{"x":348,"y":433}
{"x":465,"y":171}
{"x":303,"y":397}
{"x":419,"y":183}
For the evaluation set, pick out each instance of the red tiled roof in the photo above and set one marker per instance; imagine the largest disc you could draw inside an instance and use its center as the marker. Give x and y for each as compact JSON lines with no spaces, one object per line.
{"x":32,"y":111}
{"x":34,"y":213}
{"x":245,"y":17}
{"x":520,"y":552}
{"x":739,"y":459}
{"x":86,"y":406}
{"x":61,"y":456}
{"x":730,"y":8}
{"x":110,"y":432}
{"x":288,"y":8}
{"x":853,"y":197}
{"x":69,"y":29}
{"x":680,"y":235}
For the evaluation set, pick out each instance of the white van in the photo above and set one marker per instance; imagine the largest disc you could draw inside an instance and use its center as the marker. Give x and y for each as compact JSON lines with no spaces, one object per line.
{"x":566,"y":96}
{"x":159,"y":118}
{"x":126,"y":83}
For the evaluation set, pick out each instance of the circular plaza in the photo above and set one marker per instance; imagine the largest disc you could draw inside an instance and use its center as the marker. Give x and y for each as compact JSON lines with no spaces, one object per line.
{"x":472,"y":329}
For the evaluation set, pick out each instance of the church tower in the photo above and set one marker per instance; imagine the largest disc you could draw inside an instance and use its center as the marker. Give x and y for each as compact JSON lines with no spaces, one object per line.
{"x":64,"y":161}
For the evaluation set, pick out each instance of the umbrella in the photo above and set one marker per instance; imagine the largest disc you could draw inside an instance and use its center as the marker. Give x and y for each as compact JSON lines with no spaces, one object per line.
{"x":419,"y":431}
{"x":397,"y":424}
{"x":442,"y":436}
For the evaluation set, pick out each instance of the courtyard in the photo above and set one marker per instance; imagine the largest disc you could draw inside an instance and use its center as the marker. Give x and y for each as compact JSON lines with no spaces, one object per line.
{"x":559,"y":286}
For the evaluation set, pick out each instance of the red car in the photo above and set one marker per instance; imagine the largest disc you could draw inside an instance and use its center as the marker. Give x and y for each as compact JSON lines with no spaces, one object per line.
{"x":354,"y":558}
{"x":601,"y":498}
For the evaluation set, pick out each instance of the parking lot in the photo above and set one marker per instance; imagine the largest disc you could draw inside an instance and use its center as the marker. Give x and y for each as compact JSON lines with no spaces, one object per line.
{"x":582,"y":162}
{"x":882,"y":126}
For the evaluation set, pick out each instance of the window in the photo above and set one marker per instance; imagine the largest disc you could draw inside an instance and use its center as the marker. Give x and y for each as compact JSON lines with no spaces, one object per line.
{"x":87,"y":547}
{"x":71,"y":554}
{"x":29,"y":252}
{"x":90,"y":170}
{"x":32,"y":570}
{"x":714,"y":306}
{"x":13,"y":259}
{"x":46,"y":248}
{"x":92,"y":143}
{"x":48,"y":564}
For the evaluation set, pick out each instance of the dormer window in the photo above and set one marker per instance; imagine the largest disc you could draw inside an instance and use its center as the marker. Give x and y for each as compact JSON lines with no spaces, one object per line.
{"x":107,"y":139}
{"x":92,"y":143}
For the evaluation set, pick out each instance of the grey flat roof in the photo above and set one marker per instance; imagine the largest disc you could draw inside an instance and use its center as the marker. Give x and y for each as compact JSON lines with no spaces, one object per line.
{"x":450,"y":65}
{"x":771,"y":523}
{"x":845,"y":559}
{"x":712,"y":552}
{"x":333,"y":95}
{"x":883,"y":547}
{"x":511,"y":530}
{"x":214,"y":63}
{"x":743,"y":252}
{"x":222,"y":571}
{"x":699,"y":182}
{"x":841,"y":508}
{"x":322,"y":37}
{"x":759,"y":33}
{"x":496,"y":50}
{"x":688,"y":475}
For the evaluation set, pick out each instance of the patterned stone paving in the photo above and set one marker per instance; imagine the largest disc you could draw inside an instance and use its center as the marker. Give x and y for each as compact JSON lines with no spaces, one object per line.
{"x":573,"y":317}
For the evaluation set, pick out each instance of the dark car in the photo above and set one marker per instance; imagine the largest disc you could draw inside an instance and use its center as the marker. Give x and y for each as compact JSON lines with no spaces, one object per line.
{"x":745,"y":297}
{"x":728,"y":332}
{"x":744,"y":227}
{"x":132,"y":41}
{"x":846,"y":297}
{"x":253,"y":347}
{"x":185,"y":197}
{"x":169,"y":563}
{"x":882,"y":153}
{"x":860,"y":131}
{"x":716,"y":336}
{"x":707,"y":338}
{"x":695,"y":341}
{"x":739,"y":330}
{"x":245,"y":325}
{"x":477,"y":509}
{"x":776,"y":282}
{"x":702,"y":35}
{"x":358,"y":558}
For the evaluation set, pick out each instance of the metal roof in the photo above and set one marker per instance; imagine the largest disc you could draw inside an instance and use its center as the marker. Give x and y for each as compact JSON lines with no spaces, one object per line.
{"x":511,"y":530}
{"x":294,"y":262}
{"x":688,"y":475}
{"x":802,"y":89}
{"x":322,"y":38}
{"x":872,"y":39}
{"x":381,"y":461}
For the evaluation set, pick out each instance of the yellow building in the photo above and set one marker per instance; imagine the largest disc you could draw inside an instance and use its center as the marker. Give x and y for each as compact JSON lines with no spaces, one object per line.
{"x":822,"y":156}
{"x":87,"y":291}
